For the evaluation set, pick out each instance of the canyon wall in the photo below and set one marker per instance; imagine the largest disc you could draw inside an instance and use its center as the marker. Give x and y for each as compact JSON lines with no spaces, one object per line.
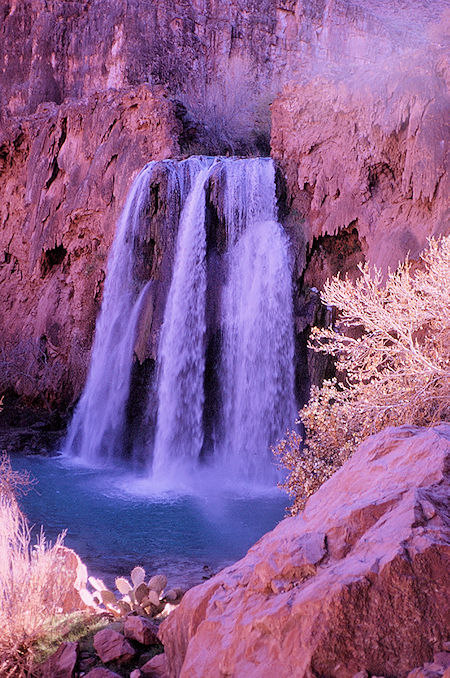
{"x":92,"y":90}
{"x":366,"y":161}
{"x":65,"y":174}
{"x":53,"y":49}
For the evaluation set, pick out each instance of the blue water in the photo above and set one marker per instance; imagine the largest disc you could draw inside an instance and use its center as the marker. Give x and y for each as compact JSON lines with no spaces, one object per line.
{"x":113,"y":523}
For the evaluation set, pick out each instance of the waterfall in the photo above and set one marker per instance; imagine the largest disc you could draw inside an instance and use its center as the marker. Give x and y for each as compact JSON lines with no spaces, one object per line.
{"x":231,"y":289}
{"x":256,"y":372}
{"x":179,"y":433}
{"x":96,"y":430}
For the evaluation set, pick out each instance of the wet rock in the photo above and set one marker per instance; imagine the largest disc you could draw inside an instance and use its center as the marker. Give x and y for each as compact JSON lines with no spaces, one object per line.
{"x":110,"y":646}
{"x":358,"y":580}
{"x":141,"y":629}
{"x":62,"y":663}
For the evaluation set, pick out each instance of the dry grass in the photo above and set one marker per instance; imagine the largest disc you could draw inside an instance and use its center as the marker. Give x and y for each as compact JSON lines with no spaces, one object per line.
{"x":392,"y":352}
{"x":33,"y":581}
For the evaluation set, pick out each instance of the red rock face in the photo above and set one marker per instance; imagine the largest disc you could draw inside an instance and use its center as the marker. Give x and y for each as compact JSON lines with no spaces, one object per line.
{"x":81,"y":113}
{"x":110,"y":646}
{"x":366,"y":154}
{"x":53,"y":49}
{"x":358,"y":581}
{"x":66,"y":172}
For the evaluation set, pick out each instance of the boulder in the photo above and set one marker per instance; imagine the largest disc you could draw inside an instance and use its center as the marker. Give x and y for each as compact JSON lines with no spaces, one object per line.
{"x":62,"y":663}
{"x":110,"y":646}
{"x":358,"y":581}
{"x":101,"y":672}
{"x":155,"y":667}
{"x":141,"y":629}
{"x":76,"y":575}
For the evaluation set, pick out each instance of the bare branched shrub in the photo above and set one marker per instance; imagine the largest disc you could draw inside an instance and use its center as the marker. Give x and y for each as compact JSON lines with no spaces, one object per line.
{"x":233,"y":110}
{"x":33,"y":581}
{"x":392,"y":352}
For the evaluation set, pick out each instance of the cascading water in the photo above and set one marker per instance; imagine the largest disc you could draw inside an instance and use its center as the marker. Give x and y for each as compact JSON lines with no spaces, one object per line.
{"x":96,"y":430}
{"x":179,"y":433}
{"x":254,"y":370}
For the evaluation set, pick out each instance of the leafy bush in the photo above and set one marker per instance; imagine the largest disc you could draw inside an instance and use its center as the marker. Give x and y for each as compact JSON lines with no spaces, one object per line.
{"x":33,"y":580}
{"x":392,"y":352}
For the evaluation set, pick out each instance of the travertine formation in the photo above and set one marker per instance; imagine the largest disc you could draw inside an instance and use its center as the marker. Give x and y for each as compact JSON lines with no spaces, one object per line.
{"x":66,"y":171}
{"x":92,"y":90}
{"x":366,"y":161}
{"x":357,"y":582}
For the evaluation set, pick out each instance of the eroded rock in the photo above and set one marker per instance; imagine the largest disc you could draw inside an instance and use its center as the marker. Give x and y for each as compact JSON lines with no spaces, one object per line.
{"x":357,"y":581}
{"x":155,"y":667}
{"x":141,"y":629}
{"x":110,"y":646}
{"x":64,"y":181}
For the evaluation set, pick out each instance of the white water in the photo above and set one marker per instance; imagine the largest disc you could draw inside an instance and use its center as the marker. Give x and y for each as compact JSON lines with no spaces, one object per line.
{"x":179,"y":432}
{"x":255,"y":373}
{"x":96,"y":430}
{"x":257,"y":376}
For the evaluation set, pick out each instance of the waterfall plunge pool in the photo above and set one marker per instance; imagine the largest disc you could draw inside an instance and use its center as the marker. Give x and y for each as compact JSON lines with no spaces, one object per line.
{"x":228,"y":314}
{"x":114,"y":526}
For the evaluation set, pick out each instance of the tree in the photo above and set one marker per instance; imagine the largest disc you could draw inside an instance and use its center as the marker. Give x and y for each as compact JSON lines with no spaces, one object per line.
{"x":391,"y":345}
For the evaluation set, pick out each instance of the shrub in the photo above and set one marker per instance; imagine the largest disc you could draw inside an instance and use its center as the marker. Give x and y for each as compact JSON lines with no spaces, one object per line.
{"x":232,"y":110}
{"x":392,"y":350}
{"x":33,"y":580}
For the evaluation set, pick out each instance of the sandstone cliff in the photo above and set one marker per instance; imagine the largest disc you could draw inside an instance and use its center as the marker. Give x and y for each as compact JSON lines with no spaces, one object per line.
{"x":92,"y":90}
{"x":358,"y":581}
{"x":66,"y":171}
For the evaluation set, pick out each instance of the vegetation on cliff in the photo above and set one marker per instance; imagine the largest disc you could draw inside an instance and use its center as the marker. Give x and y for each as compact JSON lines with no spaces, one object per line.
{"x":392,"y":350}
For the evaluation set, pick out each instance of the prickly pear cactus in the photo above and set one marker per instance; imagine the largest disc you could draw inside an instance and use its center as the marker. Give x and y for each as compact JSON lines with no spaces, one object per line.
{"x":137,"y":596}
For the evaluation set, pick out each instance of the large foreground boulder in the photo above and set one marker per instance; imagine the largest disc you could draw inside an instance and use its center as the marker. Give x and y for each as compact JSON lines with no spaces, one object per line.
{"x":358,"y":581}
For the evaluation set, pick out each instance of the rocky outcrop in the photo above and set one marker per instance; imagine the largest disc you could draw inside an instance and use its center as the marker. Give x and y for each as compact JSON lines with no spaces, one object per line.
{"x":366,"y":160}
{"x":357,"y":582}
{"x":66,"y":171}
{"x":83,"y":109}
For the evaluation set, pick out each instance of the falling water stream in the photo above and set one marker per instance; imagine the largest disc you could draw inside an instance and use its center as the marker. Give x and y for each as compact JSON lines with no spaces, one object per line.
{"x":207,"y":439}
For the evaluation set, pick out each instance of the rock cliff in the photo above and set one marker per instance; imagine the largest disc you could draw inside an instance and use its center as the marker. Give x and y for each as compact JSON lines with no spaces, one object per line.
{"x":66,"y":171}
{"x":366,"y":161}
{"x":92,"y":90}
{"x":51,"y":50}
{"x":356,"y":582}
